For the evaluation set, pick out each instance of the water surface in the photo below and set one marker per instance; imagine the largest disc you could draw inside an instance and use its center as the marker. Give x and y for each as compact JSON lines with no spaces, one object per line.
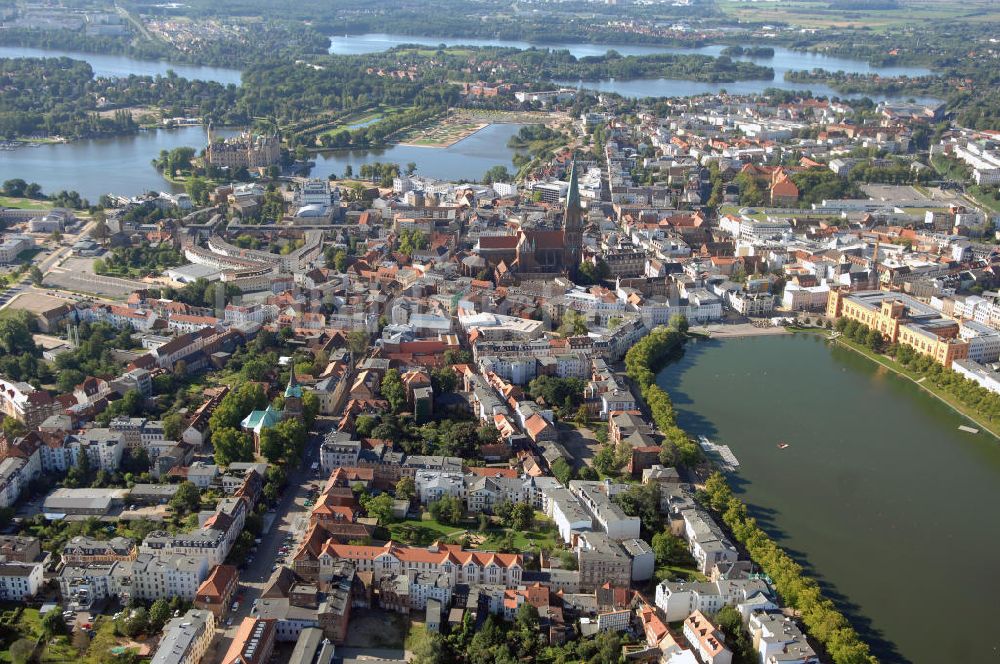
{"x":121,"y":66}
{"x":467,"y":159}
{"x":784,"y":60}
{"x":878,"y":493}
{"x":120,"y":165}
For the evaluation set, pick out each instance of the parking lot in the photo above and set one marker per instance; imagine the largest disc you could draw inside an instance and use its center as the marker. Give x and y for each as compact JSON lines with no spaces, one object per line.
{"x":77,"y":274}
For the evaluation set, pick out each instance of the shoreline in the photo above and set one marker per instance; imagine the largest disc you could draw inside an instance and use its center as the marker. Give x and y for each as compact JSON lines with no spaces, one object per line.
{"x":739,"y":331}
{"x":920,"y":383}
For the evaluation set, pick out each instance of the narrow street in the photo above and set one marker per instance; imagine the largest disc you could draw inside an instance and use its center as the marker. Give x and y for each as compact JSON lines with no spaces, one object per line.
{"x":290,"y":517}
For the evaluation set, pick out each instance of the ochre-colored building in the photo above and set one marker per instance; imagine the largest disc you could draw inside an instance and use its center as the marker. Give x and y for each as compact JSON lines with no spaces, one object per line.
{"x":902,"y":319}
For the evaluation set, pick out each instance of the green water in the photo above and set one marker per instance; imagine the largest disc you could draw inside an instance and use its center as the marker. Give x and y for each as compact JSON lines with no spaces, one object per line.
{"x":878,"y":493}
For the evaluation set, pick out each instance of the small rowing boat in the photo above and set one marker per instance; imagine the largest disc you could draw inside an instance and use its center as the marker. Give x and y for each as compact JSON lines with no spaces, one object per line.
{"x":782,"y":446}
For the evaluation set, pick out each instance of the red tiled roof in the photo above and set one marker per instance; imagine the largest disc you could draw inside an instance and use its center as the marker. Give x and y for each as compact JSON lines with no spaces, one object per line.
{"x":436,"y":554}
{"x":219,"y":579}
{"x":492,"y":472}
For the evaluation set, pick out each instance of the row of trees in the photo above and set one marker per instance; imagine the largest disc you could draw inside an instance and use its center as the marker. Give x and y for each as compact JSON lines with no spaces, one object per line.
{"x":861,"y":333}
{"x":642,"y":362}
{"x":825,"y":623}
{"x":967,"y":392}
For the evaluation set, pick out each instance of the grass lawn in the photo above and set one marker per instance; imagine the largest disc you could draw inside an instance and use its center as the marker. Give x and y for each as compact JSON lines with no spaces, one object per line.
{"x":24,"y":203}
{"x":982,"y":197}
{"x":422,"y":531}
{"x":542,"y":535}
{"x":415,"y":636}
{"x":893,"y":365}
{"x":678,"y":573}
{"x":523,"y":541}
{"x":735,"y":211}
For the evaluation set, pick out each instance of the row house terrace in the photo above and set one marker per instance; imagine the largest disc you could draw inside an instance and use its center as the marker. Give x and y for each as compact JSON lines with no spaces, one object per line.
{"x":459,"y":565}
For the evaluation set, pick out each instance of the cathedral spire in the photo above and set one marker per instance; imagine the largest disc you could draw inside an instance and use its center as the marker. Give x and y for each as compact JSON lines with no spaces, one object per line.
{"x":573,"y":224}
{"x":573,"y":195}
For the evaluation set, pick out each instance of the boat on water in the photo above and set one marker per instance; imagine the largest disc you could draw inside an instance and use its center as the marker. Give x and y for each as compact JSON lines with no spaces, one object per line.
{"x":782,"y":446}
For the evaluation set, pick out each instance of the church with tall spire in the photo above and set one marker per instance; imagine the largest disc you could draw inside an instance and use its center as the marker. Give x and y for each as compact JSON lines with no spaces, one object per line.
{"x":573,"y":223}
{"x":546,"y":249}
{"x":293,"y":397}
{"x":258,"y":420}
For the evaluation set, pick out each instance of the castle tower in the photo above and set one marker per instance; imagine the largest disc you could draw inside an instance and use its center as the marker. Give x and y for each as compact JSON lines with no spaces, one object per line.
{"x":573,"y":224}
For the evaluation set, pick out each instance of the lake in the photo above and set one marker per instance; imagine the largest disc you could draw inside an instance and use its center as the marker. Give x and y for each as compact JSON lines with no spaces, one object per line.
{"x":878,"y":493}
{"x":99,"y":166}
{"x":122,"y":164}
{"x":120,"y":66}
{"x":467,"y":159}
{"x":784,"y":60}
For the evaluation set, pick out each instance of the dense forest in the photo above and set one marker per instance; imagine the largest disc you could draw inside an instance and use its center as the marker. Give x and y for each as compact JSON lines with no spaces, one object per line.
{"x":539,"y":64}
{"x":53,"y":97}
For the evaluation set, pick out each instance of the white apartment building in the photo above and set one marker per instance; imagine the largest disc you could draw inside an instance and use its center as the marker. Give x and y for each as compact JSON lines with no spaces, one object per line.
{"x":252,"y":313}
{"x":804,"y":298}
{"x":596,"y":498}
{"x":15,"y":473}
{"x":778,"y":640}
{"x":338,"y":450}
{"x":564,"y":508}
{"x":20,"y":580}
{"x":985,"y":163}
{"x":429,"y":585}
{"x":751,"y":304}
{"x":679,"y":599}
{"x":983,"y":375}
{"x":984,"y":341}
{"x":708,"y":544}
{"x":13,"y":244}
{"x":169,"y":576}
{"x":103,"y":448}
{"x":94,"y":581}
{"x":433,"y":485}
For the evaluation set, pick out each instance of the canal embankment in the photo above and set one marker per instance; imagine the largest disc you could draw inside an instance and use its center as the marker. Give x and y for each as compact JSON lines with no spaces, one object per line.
{"x":922,"y":381}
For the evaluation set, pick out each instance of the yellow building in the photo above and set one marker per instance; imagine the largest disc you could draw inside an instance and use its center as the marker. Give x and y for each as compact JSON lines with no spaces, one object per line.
{"x":902,"y":319}
{"x":250,"y":151}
